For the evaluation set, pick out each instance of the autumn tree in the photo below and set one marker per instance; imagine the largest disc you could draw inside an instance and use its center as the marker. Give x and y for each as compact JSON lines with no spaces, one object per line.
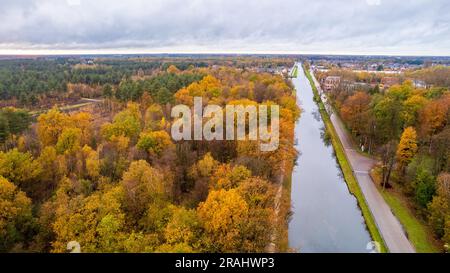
{"x":50,"y":126}
{"x":142,"y":185}
{"x":173,"y":69}
{"x":387,"y":113}
{"x":88,"y":163}
{"x":114,"y":157}
{"x":53,"y":167}
{"x":387,"y":152}
{"x":433,"y":117}
{"x":223,"y":216}
{"x":69,"y":141}
{"x":139,"y":242}
{"x":425,"y":187}
{"x":227,"y":176}
{"x":83,"y":122}
{"x":259,"y":195}
{"x":205,"y":167}
{"x":182,"y":231}
{"x":200,"y":175}
{"x":407,"y":148}
{"x":153,"y":117}
{"x":440,"y":206}
{"x":96,"y":222}
{"x":92,"y":162}
{"x":209,"y":87}
{"x":440,"y":150}
{"x":411,"y":109}
{"x":126,"y":123}
{"x":15,"y":215}
{"x":154,"y":142}
{"x":355,"y":112}
{"x":19,"y":168}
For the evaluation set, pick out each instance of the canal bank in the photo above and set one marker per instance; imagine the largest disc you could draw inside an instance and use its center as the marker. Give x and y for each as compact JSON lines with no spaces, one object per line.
{"x":345,"y":166}
{"x":325,"y":214}
{"x":379,"y":216}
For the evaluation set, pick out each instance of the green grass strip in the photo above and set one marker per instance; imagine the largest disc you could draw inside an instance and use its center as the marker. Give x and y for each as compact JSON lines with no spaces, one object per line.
{"x":294,"y":73}
{"x":418,"y":233}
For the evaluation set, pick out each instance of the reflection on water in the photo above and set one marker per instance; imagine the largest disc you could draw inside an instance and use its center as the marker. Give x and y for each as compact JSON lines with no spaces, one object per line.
{"x":326,"y":217}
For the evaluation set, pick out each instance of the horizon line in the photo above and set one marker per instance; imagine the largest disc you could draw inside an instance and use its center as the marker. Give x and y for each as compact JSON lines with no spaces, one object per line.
{"x":58,"y":52}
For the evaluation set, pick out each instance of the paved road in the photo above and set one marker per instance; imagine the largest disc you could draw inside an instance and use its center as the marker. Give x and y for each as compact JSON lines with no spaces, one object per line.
{"x":390,"y":228}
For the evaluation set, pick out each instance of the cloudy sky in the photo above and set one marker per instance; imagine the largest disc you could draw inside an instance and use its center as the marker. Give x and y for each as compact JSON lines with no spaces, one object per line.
{"x":405,"y":27}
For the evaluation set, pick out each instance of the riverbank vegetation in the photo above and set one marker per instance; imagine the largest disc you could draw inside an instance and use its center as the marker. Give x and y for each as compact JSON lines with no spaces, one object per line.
{"x":407,"y":128}
{"x":294,"y":73}
{"x":114,"y":180}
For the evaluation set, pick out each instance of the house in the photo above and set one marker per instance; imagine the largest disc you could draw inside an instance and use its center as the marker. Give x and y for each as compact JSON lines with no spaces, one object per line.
{"x":387,"y":82}
{"x":419,"y":84}
{"x":350,"y":86}
{"x":331,"y":82}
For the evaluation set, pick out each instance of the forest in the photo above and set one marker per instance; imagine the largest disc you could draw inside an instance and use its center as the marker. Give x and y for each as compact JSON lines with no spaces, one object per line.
{"x":39,"y":82}
{"x":408,"y":129}
{"x":111,"y":178}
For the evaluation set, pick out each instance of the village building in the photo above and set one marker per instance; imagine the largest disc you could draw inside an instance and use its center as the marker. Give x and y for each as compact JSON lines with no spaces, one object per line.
{"x":387,"y":82}
{"x":331,"y":82}
{"x":419,"y":84}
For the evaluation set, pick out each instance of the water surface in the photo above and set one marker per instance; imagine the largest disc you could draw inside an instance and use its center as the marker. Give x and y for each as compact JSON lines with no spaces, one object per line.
{"x":326,"y":217}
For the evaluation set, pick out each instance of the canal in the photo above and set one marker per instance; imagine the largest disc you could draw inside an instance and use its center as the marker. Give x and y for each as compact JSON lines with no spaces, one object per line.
{"x":326,"y":216}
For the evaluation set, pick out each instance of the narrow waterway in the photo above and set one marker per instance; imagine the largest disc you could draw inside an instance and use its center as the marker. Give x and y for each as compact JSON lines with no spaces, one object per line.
{"x":326,"y":217}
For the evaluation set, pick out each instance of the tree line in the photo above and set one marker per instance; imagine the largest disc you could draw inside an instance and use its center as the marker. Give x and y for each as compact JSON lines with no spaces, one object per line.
{"x":408,"y":128}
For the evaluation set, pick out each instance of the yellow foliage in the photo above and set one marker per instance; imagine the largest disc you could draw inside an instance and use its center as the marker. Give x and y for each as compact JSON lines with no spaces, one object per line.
{"x":142,"y":186}
{"x":183,"y":227}
{"x":173,"y":69}
{"x":120,"y":142}
{"x":15,"y":207}
{"x":223,"y":215}
{"x":407,"y":147}
{"x":96,"y":222}
{"x":92,"y":162}
{"x":69,"y":141}
{"x":209,"y":87}
{"x":83,"y":121}
{"x":50,"y":125}
{"x":155,"y":142}
{"x":228,"y":177}
{"x":19,"y":168}
{"x":412,"y":106}
{"x":205,"y":167}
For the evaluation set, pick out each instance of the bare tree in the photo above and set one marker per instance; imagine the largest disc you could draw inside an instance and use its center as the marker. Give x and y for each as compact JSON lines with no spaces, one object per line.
{"x":387,"y":152}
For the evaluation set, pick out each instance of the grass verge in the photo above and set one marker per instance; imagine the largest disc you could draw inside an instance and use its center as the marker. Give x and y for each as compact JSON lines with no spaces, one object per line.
{"x":284,"y":215}
{"x":346,"y":169}
{"x":418,"y":232}
{"x":294,"y":73}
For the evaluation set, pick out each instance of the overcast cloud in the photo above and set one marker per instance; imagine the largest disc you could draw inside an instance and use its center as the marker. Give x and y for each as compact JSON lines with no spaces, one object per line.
{"x":417,"y":27}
